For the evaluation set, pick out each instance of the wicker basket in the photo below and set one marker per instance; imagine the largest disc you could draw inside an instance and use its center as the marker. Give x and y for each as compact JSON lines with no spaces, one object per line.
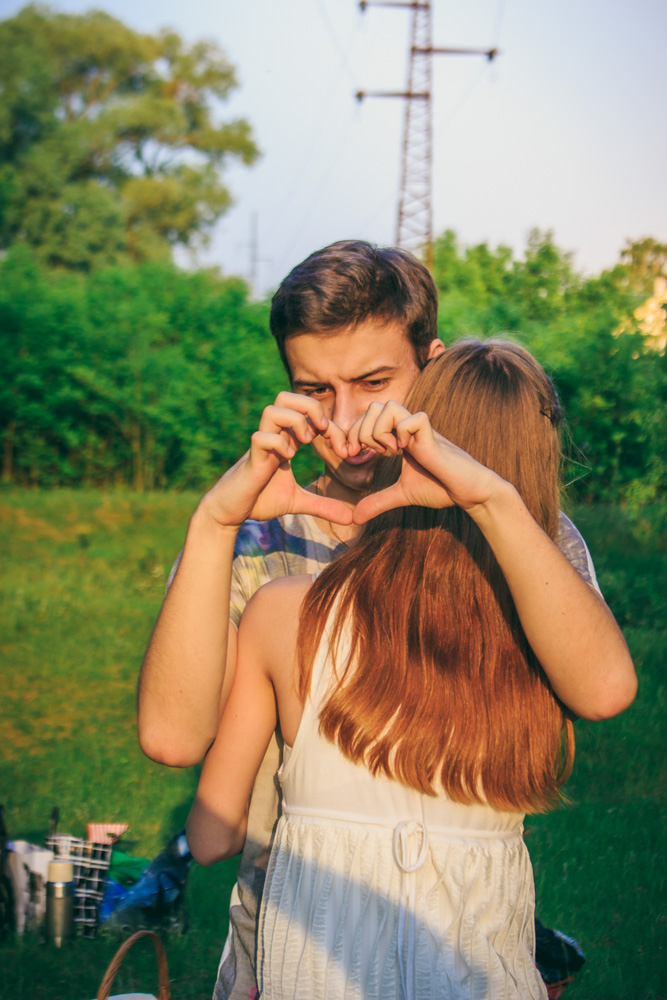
{"x":117,"y":961}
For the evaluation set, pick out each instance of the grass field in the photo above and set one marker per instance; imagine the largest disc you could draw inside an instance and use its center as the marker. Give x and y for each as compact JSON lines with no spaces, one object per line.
{"x":83,"y":578}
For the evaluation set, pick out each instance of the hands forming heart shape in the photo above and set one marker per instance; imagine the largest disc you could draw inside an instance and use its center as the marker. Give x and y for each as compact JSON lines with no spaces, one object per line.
{"x":434,"y":472}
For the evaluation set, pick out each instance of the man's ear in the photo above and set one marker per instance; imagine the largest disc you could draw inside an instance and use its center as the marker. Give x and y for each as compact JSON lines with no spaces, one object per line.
{"x":435,"y":348}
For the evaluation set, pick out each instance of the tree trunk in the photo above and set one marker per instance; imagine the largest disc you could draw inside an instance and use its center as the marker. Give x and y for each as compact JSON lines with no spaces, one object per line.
{"x":149,"y":441}
{"x":137,"y":458}
{"x":8,"y":452}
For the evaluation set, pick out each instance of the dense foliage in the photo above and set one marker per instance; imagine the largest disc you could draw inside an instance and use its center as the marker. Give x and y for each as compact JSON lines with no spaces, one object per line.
{"x":110,"y":144}
{"x":140,"y":374}
{"x":148,"y":375}
{"x":613,"y":384}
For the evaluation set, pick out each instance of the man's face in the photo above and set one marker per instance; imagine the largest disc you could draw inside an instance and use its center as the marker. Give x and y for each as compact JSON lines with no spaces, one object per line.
{"x":347,"y":371}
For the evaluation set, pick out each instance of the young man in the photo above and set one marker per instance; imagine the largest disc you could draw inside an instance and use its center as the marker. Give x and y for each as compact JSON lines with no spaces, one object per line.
{"x":354,"y":325}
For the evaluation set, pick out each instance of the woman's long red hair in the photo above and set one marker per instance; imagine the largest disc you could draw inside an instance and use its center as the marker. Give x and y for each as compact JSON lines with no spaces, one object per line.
{"x":440,"y":688}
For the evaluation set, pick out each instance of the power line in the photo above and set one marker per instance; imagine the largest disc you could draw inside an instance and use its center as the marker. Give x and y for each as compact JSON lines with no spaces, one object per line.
{"x":337,"y":44}
{"x":313,"y":135}
{"x":341,"y":147}
{"x":311,"y":145}
{"x":479,"y":76}
{"x":414,"y":229}
{"x":500,"y":14}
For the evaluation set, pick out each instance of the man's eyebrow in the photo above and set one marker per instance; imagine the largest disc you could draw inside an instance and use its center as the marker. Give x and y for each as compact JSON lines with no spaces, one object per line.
{"x":382,"y":370}
{"x":307,"y":382}
{"x":374,"y":373}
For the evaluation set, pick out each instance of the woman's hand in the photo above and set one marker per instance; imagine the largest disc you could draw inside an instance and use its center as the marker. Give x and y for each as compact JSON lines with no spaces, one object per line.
{"x":261,"y":484}
{"x":434,"y":472}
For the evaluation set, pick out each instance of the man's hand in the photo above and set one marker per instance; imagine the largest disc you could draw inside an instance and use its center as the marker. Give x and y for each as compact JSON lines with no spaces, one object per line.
{"x":261,"y":484}
{"x":189,"y":665}
{"x":568,"y":625}
{"x":434,"y":472}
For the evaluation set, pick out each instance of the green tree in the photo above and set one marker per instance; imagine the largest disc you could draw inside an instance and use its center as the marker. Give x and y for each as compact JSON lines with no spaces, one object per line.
{"x":613,"y":385}
{"x":643,"y":261}
{"x":544,"y":280}
{"x":109,"y":141}
{"x":42,"y":333}
{"x":474,"y":285}
{"x":139,"y":374}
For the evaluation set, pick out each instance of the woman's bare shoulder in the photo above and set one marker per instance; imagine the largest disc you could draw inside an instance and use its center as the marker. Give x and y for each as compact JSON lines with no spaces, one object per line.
{"x":281,"y":594}
{"x":273,"y":611}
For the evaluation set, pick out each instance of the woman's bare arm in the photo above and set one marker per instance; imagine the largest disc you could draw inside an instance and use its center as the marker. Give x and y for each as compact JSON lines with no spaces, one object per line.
{"x":264,"y":682}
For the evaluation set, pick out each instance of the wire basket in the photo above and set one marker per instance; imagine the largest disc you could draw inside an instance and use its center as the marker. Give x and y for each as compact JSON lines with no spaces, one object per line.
{"x":91,"y":865}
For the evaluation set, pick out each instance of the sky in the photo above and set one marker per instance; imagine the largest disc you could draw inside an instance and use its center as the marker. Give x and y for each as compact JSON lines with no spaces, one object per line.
{"x":564,"y":131}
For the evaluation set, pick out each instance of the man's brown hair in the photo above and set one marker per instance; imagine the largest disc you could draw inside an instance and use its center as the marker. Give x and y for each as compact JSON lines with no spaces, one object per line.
{"x":437,"y":685}
{"x":350,"y":282}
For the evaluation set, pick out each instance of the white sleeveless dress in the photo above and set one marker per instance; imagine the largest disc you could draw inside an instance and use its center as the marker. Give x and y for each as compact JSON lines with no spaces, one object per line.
{"x":375,"y":891}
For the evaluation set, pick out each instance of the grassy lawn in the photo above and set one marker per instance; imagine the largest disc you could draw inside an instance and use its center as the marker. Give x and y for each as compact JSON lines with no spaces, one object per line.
{"x":82,"y":582}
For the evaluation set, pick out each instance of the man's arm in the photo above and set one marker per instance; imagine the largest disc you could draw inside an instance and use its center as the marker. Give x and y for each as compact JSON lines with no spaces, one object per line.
{"x":568,"y":625}
{"x":183,"y":679}
{"x":188,"y":668}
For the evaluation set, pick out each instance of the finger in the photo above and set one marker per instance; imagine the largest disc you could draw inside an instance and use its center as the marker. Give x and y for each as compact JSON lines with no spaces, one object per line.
{"x":326,"y":507}
{"x":387,"y":421}
{"x":415,"y":428}
{"x":337,"y":438}
{"x":353,"y":444}
{"x":365,"y":432}
{"x":262,"y":444}
{"x":383,"y":432}
{"x":275,"y":419}
{"x":303,"y":404}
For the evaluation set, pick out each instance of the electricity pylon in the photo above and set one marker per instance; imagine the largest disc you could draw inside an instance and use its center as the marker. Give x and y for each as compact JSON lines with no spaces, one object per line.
{"x":414,"y":230}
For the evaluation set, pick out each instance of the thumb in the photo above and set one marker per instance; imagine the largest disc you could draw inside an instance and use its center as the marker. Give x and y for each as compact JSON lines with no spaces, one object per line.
{"x":326,"y":507}
{"x":377,"y":503}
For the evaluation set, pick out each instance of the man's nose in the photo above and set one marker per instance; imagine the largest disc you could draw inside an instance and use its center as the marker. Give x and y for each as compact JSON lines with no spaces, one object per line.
{"x":345,"y":411}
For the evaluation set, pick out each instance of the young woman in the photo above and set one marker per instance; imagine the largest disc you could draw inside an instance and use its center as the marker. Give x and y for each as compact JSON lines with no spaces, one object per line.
{"x":419,"y":723}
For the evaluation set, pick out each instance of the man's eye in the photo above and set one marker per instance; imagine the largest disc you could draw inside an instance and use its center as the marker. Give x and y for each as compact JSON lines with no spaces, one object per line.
{"x":316,"y":390}
{"x":376,"y":383}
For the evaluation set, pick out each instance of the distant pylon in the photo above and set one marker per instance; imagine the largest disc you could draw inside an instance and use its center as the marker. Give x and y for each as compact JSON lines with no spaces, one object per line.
{"x":255,"y":259}
{"x":414,"y":230}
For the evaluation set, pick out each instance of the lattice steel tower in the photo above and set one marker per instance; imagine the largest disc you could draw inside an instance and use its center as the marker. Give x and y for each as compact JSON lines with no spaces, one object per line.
{"x":414,"y":230}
